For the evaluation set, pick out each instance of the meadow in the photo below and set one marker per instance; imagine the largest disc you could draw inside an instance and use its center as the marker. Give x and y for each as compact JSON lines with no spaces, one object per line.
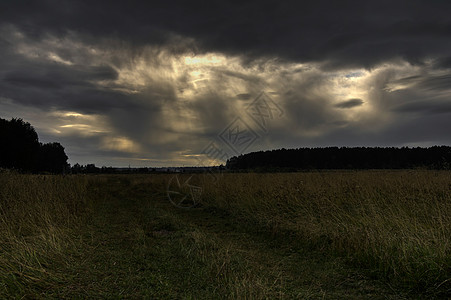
{"x":376,"y":234}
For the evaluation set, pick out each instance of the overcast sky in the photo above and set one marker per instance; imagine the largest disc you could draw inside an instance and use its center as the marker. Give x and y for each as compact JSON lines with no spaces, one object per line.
{"x":172,"y":83}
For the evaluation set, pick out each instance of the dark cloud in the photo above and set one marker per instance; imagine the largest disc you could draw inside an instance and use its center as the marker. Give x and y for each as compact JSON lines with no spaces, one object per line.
{"x":426,"y":82}
{"x":27,"y":80}
{"x":47,"y":84}
{"x":108,"y":79}
{"x":425,"y":107}
{"x":443,"y":63}
{"x":439,"y":82}
{"x":419,"y":130}
{"x":339,"y":34}
{"x":58,"y":77}
{"x":349,"y":103}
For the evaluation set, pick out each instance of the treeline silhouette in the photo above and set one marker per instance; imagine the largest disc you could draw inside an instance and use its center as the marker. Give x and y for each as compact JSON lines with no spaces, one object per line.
{"x":437,"y":157}
{"x":92,"y":169}
{"x":21,"y":150}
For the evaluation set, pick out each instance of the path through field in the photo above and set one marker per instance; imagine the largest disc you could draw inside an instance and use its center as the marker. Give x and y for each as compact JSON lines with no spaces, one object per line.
{"x":138,"y":245}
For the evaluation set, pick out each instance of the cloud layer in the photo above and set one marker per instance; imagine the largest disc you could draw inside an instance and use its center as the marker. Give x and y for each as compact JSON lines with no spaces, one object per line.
{"x":154,"y":85}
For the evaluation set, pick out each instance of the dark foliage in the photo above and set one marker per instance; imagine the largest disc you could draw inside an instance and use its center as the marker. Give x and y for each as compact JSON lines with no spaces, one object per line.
{"x":19,"y":145}
{"x":52,"y":158}
{"x":437,"y":157}
{"x":20,"y":149}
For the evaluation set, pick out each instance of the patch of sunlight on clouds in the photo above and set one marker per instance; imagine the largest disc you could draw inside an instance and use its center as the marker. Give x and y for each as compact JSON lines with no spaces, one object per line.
{"x":73,"y":114}
{"x":181,"y":119}
{"x":54,"y":57}
{"x":368,"y":85}
{"x":82,"y":126}
{"x":352,"y":85}
{"x":122,"y":144}
{"x":207,"y":59}
{"x":399,"y":72}
{"x":134,"y":77}
{"x":68,"y":123}
{"x":55,"y":122}
{"x":44,"y":49}
{"x":81,"y":129}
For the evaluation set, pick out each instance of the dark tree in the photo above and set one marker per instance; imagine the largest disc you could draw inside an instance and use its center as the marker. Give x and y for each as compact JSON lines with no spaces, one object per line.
{"x":91,"y":168}
{"x":20,"y":149}
{"x":52,"y":158}
{"x":19,"y":145}
{"x":77,"y":168}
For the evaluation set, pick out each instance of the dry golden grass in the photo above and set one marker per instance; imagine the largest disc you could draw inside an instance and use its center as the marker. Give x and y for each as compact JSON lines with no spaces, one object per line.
{"x":36,"y":212}
{"x":395,"y":223}
{"x":392,"y":225}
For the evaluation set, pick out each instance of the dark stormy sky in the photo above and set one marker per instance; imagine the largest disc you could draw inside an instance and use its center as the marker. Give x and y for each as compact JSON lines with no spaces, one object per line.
{"x":171,"y":83}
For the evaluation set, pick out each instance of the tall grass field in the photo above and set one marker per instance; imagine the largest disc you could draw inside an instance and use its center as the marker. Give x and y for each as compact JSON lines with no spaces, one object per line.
{"x":330,"y":234}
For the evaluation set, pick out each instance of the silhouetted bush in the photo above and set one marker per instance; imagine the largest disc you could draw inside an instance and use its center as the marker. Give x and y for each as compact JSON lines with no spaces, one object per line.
{"x":19,"y":145}
{"x":52,"y":158}
{"x":20,"y":149}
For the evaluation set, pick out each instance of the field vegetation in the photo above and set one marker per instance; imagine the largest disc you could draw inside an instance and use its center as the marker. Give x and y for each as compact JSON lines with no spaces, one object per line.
{"x":328,"y":234}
